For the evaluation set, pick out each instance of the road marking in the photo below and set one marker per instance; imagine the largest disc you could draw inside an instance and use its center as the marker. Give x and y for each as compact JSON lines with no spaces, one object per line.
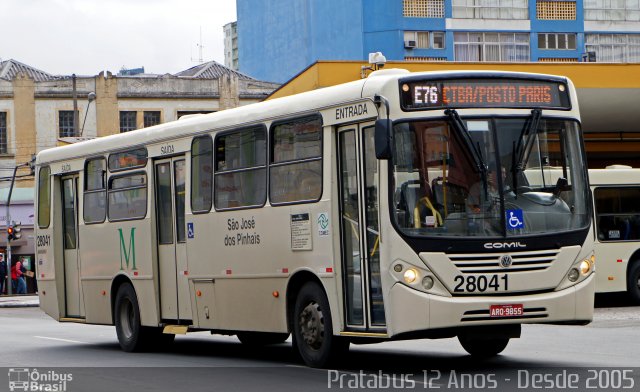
{"x":60,"y":340}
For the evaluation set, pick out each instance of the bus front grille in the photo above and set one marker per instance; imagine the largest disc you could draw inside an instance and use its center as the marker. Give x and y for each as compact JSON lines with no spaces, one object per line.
{"x":492,"y":263}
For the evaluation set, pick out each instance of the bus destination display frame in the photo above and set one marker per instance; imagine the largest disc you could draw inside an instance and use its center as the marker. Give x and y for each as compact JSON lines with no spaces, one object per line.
{"x":478,"y":92}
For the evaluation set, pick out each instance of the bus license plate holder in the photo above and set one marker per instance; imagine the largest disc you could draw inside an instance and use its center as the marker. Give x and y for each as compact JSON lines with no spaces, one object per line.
{"x":506,"y":310}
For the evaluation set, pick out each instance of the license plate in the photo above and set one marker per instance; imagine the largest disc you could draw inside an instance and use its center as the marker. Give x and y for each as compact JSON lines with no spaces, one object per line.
{"x":509,"y":310}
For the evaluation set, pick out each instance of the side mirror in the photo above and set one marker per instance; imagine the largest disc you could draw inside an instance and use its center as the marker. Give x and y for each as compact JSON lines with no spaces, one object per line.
{"x":383,"y":138}
{"x":561,"y":185}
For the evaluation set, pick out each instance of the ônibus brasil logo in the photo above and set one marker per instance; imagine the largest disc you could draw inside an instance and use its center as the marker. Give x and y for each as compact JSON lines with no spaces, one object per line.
{"x":23,"y":379}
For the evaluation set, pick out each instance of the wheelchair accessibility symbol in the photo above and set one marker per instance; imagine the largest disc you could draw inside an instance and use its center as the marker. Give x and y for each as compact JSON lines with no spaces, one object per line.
{"x":515,"y":219}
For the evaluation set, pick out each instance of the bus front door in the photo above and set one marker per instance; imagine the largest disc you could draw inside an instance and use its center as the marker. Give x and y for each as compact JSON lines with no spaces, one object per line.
{"x":73,"y":295}
{"x":172,"y":253}
{"x":360,"y":241}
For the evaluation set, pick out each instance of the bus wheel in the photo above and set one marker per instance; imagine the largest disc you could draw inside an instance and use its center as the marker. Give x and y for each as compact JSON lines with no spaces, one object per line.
{"x":633,"y":282}
{"x":127,"y":319}
{"x":261,"y":338}
{"x":313,"y":330}
{"x":483,"y":348}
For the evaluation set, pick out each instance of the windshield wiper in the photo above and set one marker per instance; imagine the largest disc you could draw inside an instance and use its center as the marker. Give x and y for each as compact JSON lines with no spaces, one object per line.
{"x":525,"y":136}
{"x":463,"y":132}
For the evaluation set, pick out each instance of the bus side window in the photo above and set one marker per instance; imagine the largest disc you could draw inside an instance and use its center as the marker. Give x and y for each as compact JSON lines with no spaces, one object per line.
{"x":95,"y":191}
{"x":44,"y":197}
{"x":128,"y":196}
{"x":201,"y":174}
{"x":296,"y":161}
{"x":240,"y":169}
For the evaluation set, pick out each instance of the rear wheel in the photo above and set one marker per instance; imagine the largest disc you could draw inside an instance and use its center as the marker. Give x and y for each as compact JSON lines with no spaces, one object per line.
{"x":633,"y":282}
{"x":313,"y":329}
{"x":483,"y":348}
{"x":131,"y":334}
{"x":261,"y":338}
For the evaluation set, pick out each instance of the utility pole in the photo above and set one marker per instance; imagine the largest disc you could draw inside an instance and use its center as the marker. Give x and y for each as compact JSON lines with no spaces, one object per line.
{"x":8,"y":215}
{"x":76,"y":114}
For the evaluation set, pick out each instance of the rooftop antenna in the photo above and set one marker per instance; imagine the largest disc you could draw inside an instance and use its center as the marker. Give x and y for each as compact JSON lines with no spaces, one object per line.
{"x":200,"y":47}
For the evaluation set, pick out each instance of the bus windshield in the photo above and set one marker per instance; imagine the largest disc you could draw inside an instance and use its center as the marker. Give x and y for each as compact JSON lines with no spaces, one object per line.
{"x":488,"y":177}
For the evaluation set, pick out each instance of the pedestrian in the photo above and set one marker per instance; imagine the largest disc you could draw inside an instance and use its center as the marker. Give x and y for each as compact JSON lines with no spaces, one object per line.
{"x":19,"y":284}
{"x":3,"y":276}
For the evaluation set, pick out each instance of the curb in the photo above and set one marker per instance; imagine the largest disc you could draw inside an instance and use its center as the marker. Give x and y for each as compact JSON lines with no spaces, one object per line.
{"x":18,"y":305}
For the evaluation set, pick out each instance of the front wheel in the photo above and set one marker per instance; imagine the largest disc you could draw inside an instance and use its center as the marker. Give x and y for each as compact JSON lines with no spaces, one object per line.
{"x":313,"y":329}
{"x":633,"y":282}
{"x":483,"y":348}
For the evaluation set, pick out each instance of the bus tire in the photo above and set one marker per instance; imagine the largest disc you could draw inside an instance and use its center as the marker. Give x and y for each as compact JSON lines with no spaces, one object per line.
{"x":132,"y":336}
{"x":633,"y":282}
{"x":313,"y":329}
{"x":483,"y":348}
{"x":261,"y":338}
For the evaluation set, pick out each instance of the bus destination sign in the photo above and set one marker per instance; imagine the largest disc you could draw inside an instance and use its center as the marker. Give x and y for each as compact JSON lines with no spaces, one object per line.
{"x":484,"y":93}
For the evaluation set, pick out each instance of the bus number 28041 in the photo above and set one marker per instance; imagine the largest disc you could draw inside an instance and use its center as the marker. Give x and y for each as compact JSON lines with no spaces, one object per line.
{"x":480,"y":283}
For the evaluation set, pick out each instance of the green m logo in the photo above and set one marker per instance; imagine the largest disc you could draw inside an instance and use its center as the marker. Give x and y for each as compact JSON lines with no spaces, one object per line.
{"x":130,"y":252}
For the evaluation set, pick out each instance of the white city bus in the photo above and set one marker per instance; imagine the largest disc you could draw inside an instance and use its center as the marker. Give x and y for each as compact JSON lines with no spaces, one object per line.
{"x":401,"y":206}
{"x":616,"y":197}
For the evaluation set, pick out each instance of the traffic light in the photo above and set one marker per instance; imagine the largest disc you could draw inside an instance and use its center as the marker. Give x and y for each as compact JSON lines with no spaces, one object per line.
{"x":17,"y":231}
{"x":14,"y":231}
{"x":10,"y":233}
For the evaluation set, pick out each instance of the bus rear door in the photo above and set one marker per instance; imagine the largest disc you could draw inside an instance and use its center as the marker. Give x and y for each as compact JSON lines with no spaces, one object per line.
{"x":74,"y":305}
{"x":172,"y":252}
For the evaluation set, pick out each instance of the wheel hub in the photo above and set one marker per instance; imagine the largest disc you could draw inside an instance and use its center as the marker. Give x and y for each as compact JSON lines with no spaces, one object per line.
{"x":312,"y":325}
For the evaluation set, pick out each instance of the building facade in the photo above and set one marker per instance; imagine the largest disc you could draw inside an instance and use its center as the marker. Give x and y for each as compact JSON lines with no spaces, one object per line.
{"x":279,"y":38}
{"x":231,"y":46}
{"x":39,"y":111}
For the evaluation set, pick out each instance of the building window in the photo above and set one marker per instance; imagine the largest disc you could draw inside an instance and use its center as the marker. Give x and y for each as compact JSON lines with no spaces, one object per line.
{"x":66,"y":123}
{"x":295,"y":174}
{"x":615,"y":48}
{"x":557,"y":60}
{"x":424,"y":39}
{"x":241,"y":169}
{"x":555,"y":10}
{"x":503,"y":47}
{"x":423,"y":8}
{"x":151,"y":118}
{"x":3,"y":132}
{"x":128,"y":121}
{"x":424,"y":59}
{"x":627,"y":10}
{"x":490,"y":9}
{"x":557,"y":41}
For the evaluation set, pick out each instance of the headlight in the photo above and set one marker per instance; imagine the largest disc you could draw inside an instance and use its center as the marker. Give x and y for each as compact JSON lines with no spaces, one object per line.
{"x":427,"y":283}
{"x":573,"y":274}
{"x":410,"y":275}
{"x":585,"y":267}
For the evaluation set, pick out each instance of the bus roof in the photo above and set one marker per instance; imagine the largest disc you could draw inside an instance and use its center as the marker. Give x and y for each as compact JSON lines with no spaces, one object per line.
{"x":288,"y":107}
{"x":614,"y":175}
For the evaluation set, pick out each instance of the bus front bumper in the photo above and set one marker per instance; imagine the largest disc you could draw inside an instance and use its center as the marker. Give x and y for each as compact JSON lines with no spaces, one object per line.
{"x":411,"y":310}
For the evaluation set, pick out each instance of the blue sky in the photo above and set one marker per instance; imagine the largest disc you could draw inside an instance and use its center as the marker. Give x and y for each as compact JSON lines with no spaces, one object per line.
{"x":88,"y":36}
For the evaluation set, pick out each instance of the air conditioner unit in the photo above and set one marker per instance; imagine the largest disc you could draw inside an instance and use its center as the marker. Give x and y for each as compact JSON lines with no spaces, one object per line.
{"x":409,"y":44}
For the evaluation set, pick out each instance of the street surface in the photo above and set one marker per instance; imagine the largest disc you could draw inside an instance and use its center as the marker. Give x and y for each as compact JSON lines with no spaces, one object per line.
{"x":200,"y":361}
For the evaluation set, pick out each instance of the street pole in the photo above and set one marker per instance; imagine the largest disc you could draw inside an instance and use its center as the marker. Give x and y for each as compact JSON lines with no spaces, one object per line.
{"x":8,"y":261}
{"x":76,"y":114}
